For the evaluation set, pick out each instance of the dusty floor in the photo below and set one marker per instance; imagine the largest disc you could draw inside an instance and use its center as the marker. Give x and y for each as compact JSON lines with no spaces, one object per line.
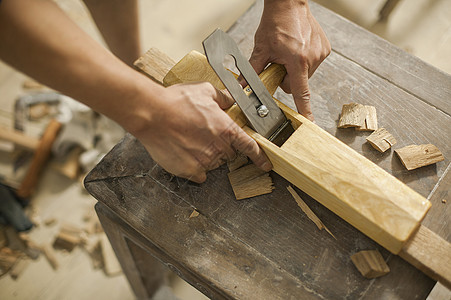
{"x":421,"y":27}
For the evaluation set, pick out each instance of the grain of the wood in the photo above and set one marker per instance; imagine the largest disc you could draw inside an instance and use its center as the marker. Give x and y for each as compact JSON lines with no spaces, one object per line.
{"x":370,"y":123}
{"x":310,"y":214}
{"x":111,"y":264}
{"x":352,"y":115}
{"x":250,"y":181}
{"x":193,"y":67}
{"x":370,"y":263}
{"x":362,"y":117}
{"x":332,"y":173}
{"x":430,"y":253}
{"x":381,"y":140}
{"x":154,"y":64}
{"x":416,"y":156}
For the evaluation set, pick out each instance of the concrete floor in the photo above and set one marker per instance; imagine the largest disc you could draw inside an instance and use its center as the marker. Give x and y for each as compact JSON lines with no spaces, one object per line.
{"x":421,"y":27}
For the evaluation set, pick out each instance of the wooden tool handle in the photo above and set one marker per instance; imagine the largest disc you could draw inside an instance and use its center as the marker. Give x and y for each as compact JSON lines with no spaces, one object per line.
{"x":39,"y":158}
{"x":18,"y":138}
{"x":272,"y":77}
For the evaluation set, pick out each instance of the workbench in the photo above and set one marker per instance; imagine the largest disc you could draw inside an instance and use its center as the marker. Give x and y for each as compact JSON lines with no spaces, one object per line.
{"x":266,"y":247}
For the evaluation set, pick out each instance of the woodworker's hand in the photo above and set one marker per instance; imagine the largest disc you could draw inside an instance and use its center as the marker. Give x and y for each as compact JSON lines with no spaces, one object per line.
{"x":183,"y":127}
{"x":288,"y":34}
{"x":188,"y":132}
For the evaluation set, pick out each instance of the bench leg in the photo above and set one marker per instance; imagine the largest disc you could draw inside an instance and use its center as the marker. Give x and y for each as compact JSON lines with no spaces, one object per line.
{"x":144,"y":272}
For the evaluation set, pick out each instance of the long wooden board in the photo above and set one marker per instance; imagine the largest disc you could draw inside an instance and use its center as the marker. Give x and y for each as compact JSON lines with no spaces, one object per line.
{"x":338,"y":177}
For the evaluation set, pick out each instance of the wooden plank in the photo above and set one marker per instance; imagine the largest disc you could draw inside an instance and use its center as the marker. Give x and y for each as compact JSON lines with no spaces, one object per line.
{"x":429,"y":253}
{"x":332,"y":173}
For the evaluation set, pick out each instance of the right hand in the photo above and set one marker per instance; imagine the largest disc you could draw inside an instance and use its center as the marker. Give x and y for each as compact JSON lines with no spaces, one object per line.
{"x":189,"y":134}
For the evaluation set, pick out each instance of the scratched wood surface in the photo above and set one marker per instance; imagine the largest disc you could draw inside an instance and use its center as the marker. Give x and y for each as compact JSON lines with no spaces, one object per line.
{"x":265,"y":247}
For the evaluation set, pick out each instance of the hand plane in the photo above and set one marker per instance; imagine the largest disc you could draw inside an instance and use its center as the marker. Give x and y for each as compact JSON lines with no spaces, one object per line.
{"x":257,"y":104}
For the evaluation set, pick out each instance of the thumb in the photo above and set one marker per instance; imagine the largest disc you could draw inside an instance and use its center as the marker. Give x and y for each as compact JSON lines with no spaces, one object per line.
{"x":301,"y":94}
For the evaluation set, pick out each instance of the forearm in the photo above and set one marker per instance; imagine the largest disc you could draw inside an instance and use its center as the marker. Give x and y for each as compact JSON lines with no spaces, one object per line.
{"x":38,"y":39}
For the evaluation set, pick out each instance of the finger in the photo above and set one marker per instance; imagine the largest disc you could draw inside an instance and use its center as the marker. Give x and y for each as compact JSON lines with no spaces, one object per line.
{"x":199,"y":177}
{"x":301,"y":93}
{"x":222,"y":98}
{"x":247,"y":146}
{"x":258,"y":62}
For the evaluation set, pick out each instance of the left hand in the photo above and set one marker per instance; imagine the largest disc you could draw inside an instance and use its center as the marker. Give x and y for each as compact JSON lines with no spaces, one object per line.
{"x":289,"y":35}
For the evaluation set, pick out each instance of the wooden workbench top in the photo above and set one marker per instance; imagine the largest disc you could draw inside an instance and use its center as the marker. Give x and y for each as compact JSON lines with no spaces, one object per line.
{"x":266,"y":246}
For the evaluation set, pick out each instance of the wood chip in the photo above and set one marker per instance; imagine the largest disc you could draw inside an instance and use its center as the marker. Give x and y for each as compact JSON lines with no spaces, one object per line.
{"x":194,"y":214}
{"x":370,"y":123}
{"x":370,"y":263}
{"x":310,"y":214}
{"x":362,"y":117}
{"x":68,"y":237}
{"x":381,"y":140}
{"x":110,"y":262}
{"x":238,"y":162}
{"x":416,"y":156}
{"x":250,"y":181}
{"x":352,"y":115}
